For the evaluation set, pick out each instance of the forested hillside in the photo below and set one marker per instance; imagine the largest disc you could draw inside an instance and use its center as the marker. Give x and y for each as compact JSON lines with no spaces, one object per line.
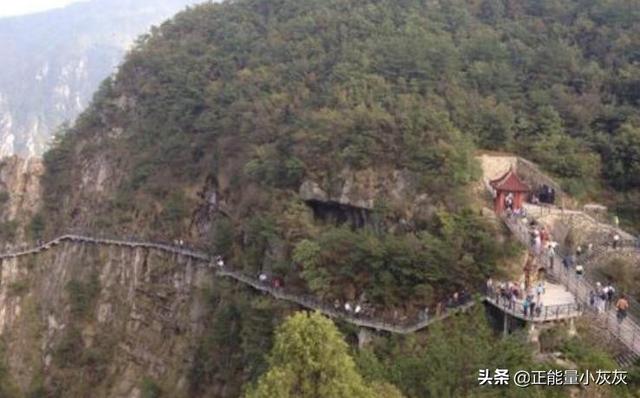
{"x":329,"y":145}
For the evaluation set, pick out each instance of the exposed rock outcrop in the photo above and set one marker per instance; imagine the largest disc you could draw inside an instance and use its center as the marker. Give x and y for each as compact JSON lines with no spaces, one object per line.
{"x":143,"y":313}
{"x":396,"y":190}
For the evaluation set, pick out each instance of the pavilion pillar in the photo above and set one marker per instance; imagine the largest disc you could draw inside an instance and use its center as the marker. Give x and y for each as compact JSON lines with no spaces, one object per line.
{"x":499,"y":202}
{"x":517,"y":200}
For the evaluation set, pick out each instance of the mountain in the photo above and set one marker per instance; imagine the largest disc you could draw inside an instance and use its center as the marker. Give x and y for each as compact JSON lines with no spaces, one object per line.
{"x":53,"y":62}
{"x":329,"y":146}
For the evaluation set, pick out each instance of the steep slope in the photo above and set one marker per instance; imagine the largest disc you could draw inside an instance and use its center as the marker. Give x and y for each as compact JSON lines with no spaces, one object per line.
{"x":237,"y":127}
{"x":20,"y":200}
{"x":325,"y":144}
{"x":55,"y":60}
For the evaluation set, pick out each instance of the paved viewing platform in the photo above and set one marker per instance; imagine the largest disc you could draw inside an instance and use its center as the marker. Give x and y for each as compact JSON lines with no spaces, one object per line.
{"x":557,"y":304}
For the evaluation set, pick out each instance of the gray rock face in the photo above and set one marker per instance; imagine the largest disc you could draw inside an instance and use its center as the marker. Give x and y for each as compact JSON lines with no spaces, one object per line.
{"x":365,"y":189}
{"x":148,"y":303}
{"x":54,"y":61}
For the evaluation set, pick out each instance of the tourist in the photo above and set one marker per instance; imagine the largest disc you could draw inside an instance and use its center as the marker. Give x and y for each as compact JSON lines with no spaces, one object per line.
{"x":578,"y":251}
{"x":525,"y":306}
{"x":539,"y":291}
{"x":509,"y":201}
{"x":579,"y":271}
{"x":277,"y":282}
{"x":598,"y":299}
{"x":592,"y":299}
{"x":544,"y":235}
{"x":489,"y":286}
{"x":539,"y":309}
{"x":602,"y":300}
{"x":616,"y":221}
{"x":347,"y":307}
{"x":551,"y":252}
{"x":611,"y":291}
{"x":425,"y":314}
{"x":605,"y":297}
{"x":616,"y":240}
{"x":357,"y":309}
{"x":262,"y":277}
{"x":622,"y":306}
{"x":532,"y":306}
{"x":220,"y":261}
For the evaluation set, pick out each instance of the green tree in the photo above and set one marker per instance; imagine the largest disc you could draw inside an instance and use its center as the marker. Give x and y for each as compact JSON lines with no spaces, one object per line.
{"x":310,"y":360}
{"x":623,"y":158}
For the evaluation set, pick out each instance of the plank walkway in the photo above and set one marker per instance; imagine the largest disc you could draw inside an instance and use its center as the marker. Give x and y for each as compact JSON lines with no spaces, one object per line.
{"x":627,"y":332}
{"x":399,"y":327}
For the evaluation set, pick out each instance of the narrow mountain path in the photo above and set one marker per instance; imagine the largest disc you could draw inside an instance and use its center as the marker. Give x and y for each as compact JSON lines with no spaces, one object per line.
{"x":399,"y":327}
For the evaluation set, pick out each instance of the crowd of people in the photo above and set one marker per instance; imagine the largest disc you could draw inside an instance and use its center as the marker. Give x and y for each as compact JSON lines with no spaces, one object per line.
{"x":513,"y":295}
{"x":601,"y":298}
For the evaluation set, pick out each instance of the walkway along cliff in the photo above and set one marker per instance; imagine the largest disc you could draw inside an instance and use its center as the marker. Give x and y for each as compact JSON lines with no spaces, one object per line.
{"x":400,"y":327}
{"x":628,"y":331}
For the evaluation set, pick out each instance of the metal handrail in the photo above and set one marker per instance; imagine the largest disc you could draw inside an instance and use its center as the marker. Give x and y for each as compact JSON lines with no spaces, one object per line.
{"x":543,"y":313}
{"x":627,"y":330}
{"x":405,"y":326}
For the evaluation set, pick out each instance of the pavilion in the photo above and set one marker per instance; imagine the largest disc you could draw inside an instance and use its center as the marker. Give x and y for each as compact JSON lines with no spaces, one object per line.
{"x":509,"y":186}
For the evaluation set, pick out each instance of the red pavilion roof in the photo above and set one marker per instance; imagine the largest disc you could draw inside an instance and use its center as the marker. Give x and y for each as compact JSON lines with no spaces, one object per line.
{"x":509,"y":182}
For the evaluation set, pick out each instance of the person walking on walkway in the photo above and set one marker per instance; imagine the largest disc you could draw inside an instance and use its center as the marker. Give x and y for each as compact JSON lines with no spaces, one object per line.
{"x":616,"y":240}
{"x":611,"y":291}
{"x":525,"y":306}
{"x":622,"y":306}
{"x":551,"y":252}
{"x":579,"y":271}
{"x":603,"y":300}
{"x":539,"y":291}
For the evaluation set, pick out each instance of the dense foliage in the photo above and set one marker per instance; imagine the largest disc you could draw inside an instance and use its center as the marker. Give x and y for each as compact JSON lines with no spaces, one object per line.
{"x":446,"y":359}
{"x":216,"y":118}
{"x":255,"y":97}
{"x":310,"y":359}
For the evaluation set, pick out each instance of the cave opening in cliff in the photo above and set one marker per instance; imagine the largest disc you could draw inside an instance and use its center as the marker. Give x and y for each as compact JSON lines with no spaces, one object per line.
{"x":340,"y":214}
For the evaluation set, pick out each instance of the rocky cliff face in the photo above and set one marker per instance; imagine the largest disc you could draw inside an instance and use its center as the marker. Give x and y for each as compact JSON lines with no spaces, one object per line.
{"x":106,"y":317}
{"x":54,"y":61}
{"x":20,"y":197}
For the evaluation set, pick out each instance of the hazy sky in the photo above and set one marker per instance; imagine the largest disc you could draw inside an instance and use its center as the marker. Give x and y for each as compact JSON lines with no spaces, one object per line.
{"x":18,"y":7}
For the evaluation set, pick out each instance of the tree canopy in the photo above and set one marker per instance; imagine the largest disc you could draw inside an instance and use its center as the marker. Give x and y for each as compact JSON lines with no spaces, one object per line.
{"x":310,"y":359}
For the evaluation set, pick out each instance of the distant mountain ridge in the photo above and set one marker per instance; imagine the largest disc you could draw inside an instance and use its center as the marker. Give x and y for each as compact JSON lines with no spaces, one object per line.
{"x":55,"y":60}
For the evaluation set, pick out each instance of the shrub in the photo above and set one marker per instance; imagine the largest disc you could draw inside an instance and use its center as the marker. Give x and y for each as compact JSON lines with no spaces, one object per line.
{"x":82,"y":295}
{"x":150,"y":389}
